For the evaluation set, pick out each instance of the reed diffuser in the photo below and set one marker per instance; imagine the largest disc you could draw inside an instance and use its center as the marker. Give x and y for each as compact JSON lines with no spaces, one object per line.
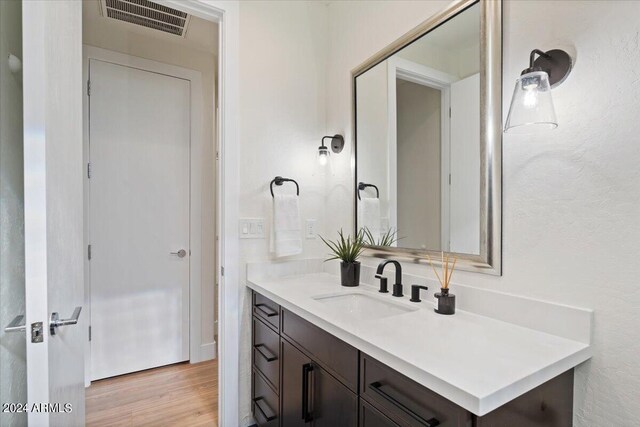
{"x":446,"y":301}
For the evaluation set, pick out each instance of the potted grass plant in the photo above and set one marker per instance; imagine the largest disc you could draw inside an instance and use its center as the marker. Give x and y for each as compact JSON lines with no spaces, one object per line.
{"x":347,"y":250}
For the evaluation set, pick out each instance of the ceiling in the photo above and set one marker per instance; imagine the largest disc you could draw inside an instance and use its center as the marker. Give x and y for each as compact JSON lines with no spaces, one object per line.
{"x":462,"y":31}
{"x":201,"y":35}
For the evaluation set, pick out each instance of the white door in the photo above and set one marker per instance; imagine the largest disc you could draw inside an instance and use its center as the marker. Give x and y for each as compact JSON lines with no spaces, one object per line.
{"x":465,"y":166}
{"x":139,"y":144}
{"x":53,"y":212}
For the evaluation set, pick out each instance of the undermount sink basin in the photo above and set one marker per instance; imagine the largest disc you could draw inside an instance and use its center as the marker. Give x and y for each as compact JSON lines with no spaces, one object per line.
{"x":362,"y":306}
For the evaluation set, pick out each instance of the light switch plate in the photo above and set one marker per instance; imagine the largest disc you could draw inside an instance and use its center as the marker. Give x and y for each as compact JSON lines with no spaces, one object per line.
{"x":251,"y":228}
{"x":310,"y":229}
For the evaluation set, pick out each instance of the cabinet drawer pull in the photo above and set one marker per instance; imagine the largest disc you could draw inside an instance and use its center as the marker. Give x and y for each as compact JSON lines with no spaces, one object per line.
{"x":268,"y":418}
{"x":267,"y":311}
{"x":267,"y":357}
{"x":376,"y":387}
{"x":307,"y":369}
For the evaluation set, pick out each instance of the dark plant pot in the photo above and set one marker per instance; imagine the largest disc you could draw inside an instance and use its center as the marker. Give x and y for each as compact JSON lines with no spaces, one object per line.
{"x":350,"y":273}
{"x":446,"y":302}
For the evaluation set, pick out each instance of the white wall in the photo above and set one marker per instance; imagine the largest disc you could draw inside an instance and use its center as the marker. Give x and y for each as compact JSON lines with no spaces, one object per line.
{"x":13,"y":387}
{"x":571,"y":200}
{"x":283,"y":47}
{"x":120,"y":37}
{"x":373,"y":116}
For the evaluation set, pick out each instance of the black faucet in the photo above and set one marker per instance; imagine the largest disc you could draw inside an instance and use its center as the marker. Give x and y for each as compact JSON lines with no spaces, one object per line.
{"x":397,"y":286}
{"x":415,"y":292}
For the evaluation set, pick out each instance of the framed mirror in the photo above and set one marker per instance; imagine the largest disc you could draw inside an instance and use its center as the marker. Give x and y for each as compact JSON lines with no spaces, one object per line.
{"x":427,"y":114}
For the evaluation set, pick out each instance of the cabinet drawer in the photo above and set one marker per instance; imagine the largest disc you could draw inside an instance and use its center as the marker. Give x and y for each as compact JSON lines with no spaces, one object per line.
{"x":265,"y":403}
{"x":266,"y":352}
{"x":267,"y":310}
{"x":371,"y":417}
{"x":336,"y":356}
{"x":406,"y":402}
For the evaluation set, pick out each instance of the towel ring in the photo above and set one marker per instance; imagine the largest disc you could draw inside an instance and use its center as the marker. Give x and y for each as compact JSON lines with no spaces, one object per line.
{"x":278,"y":180}
{"x":362,"y":186}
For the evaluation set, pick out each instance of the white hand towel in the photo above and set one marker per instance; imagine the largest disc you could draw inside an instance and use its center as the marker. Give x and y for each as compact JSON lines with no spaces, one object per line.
{"x":286,"y":232}
{"x":370,"y":215}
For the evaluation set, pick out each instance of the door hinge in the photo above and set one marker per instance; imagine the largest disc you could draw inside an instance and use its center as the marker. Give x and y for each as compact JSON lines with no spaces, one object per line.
{"x":222,"y":271}
{"x":89,"y":332}
{"x":88,"y":87}
{"x":37,"y":334}
{"x":449,"y":179}
{"x":217,"y":155}
{"x":449,"y":112}
{"x":89,"y":170}
{"x":89,"y":252}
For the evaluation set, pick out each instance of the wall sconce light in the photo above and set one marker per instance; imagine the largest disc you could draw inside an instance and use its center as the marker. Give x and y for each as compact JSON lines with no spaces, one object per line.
{"x":531,"y":105}
{"x":337,"y":144}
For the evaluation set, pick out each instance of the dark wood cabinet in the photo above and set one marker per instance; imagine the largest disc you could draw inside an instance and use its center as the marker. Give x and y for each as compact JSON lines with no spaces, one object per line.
{"x":333,"y":354}
{"x":294,"y":386}
{"x":311,"y":396}
{"x":265,"y":402}
{"x":266,"y":352}
{"x":267,"y":310}
{"x":548,"y":405}
{"x":304,"y":376}
{"x":405,"y":401}
{"x":332,"y":404}
{"x":371,"y":417}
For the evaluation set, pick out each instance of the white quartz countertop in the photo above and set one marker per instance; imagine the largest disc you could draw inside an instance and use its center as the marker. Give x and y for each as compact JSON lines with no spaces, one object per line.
{"x":475,"y":361}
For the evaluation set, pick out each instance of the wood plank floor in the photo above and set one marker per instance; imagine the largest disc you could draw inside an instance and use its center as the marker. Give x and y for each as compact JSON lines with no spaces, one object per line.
{"x":175,"y":395}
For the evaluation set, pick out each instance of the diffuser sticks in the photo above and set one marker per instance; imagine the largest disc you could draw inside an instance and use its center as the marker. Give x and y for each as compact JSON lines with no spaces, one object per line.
{"x":447,"y":269}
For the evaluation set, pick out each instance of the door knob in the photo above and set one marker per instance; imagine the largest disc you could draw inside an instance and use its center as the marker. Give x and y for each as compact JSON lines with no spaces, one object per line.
{"x":16,"y":325}
{"x":56,"y":322}
{"x":181,"y":253}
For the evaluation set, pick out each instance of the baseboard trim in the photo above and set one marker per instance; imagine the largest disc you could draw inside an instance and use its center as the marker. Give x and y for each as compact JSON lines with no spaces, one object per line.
{"x":208,"y":351}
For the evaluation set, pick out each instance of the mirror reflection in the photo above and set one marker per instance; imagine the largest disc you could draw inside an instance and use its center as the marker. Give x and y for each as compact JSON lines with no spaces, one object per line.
{"x":418,"y":142}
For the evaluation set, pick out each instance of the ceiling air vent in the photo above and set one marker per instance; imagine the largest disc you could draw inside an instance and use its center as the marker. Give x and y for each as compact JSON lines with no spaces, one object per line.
{"x":147,"y":14}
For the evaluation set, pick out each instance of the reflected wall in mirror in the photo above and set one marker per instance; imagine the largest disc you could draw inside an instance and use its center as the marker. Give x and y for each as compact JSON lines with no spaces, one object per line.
{"x":421,"y":139}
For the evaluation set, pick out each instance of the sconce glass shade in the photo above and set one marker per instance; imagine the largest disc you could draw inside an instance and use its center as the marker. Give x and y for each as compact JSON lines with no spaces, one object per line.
{"x":531,"y":105}
{"x":323,"y":156}
{"x":323,"y":165}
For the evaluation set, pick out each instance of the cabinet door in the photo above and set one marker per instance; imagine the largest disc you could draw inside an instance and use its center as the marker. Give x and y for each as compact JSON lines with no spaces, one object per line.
{"x":332,"y":403}
{"x":294,"y":385}
{"x":311,"y":396}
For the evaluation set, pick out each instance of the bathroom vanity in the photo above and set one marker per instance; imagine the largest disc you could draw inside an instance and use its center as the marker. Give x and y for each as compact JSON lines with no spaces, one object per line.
{"x":427,"y":144}
{"x":325,"y":355}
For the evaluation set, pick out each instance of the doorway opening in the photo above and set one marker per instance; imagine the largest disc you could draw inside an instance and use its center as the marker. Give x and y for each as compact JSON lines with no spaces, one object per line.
{"x":433,"y":130}
{"x":150,"y":144}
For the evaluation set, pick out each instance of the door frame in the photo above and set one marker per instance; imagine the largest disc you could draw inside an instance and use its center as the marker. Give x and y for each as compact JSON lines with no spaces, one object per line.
{"x":231,"y":293}
{"x":196,"y":150}
{"x":400,"y":68}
